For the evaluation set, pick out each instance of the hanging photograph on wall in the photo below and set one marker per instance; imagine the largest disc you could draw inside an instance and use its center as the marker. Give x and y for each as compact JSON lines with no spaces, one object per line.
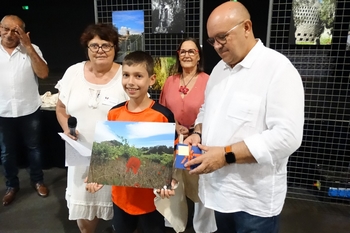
{"x":312,"y":22}
{"x":163,"y":68}
{"x":130,"y":26}
{"x":168,"y":16}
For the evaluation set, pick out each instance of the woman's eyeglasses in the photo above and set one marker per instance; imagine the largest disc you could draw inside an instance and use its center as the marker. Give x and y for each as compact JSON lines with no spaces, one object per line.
{"x":191,"y":52}
{"x":95,"y":47}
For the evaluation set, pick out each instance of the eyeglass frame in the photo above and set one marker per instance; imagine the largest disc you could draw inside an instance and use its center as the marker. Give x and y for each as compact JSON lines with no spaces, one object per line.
{"x":213,"y":39}
{"x":8,"y":30}
{"x":187,"y":51}
{"x":100,"y":47}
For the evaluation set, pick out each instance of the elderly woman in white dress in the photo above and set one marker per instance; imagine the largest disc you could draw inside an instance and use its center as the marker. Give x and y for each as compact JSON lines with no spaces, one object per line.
{"x":87,"y":91}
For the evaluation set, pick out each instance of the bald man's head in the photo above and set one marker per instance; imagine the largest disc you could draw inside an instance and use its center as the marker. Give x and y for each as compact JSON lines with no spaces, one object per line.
{"x":230,"y":32}
{"x":228,"y":11}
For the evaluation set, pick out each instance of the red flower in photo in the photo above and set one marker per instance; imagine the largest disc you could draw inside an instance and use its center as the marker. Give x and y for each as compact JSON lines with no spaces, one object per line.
{"x":133,"y":164}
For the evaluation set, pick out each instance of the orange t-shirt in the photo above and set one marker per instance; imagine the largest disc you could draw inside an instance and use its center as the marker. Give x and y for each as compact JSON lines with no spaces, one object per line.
{"x":132,"y":200}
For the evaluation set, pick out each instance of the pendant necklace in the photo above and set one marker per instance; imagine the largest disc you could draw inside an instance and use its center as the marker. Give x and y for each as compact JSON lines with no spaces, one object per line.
{"x":183,"y":89}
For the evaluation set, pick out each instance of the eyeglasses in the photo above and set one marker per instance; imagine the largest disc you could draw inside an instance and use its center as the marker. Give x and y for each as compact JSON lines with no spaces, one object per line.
{"x":7,"y":30}
{"x":95,"y":47}
{"x":222,"y":39}
{"x":191,"y":52}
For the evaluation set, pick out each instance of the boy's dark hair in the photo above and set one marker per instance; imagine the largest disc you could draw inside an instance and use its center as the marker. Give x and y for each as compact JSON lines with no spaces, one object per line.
{"x":139,"y":58}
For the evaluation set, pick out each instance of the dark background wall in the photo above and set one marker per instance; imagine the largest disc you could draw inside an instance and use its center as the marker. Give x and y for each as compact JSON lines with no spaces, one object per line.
{"x":259,"y":15}
{"x":55,"y":26}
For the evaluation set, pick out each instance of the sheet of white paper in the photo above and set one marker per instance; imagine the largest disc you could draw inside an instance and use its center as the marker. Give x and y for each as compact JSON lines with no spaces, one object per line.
{"x":76,"y":153}
{"x":73,"y":158}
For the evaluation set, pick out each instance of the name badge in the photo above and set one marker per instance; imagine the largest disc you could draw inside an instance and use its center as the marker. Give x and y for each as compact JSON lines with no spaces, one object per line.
{"x":110,"y":101}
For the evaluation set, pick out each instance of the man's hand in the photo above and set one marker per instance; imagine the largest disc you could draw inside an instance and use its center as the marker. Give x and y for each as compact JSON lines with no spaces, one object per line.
{"x":92,"y":187}
{"x":23,"y":37}
{"x":213,"y":158}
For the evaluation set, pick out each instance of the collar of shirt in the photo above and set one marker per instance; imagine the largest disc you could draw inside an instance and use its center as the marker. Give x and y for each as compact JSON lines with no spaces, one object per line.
{"x":249,"y":59}
{"x":18,"y":48}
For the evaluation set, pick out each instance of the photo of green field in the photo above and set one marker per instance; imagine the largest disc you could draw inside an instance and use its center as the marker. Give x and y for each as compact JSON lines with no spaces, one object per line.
{"x":133,"y":158}
{"x":163,"y":68}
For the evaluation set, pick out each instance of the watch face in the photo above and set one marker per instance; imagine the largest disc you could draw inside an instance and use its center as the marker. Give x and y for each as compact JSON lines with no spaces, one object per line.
{"x":230,"y":157}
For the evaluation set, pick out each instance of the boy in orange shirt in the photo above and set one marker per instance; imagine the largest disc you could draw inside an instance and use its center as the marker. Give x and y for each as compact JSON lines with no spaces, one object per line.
{"x":133,"y":206}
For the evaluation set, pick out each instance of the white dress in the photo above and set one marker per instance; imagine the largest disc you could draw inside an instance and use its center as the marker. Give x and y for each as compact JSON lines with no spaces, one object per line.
{"x":89,"y":103}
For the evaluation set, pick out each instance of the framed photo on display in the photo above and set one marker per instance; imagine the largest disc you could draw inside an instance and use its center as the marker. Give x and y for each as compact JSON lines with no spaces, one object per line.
{"x":163,"y":68}
{"x":312,"y":22}
{"x":131,"y":26}
{"x":168,"y":16}
{"x":133,"y":154}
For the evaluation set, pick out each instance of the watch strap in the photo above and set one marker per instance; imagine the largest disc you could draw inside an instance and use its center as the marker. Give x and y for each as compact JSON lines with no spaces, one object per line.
{"x":229,"y":155}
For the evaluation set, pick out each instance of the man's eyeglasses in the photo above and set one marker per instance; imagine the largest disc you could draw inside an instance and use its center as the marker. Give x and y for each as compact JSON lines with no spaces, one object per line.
{"x":222,"y":39}
{"x":191,"y":52}
{"x":95,"y":47}
{"x":7,"y":30}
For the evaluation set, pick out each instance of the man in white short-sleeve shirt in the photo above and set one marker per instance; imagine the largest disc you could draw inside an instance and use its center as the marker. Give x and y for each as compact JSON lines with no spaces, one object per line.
{"x":250,"y":123}
{"x":21,"y":63}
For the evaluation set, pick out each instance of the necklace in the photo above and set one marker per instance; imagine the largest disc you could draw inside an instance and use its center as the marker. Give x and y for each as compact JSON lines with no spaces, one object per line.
{"x":183,"y":89}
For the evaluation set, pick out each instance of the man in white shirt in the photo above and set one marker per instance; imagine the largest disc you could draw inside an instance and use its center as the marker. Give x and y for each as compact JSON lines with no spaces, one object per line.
{"x":250,"y":123}
{"x":21,"y":63}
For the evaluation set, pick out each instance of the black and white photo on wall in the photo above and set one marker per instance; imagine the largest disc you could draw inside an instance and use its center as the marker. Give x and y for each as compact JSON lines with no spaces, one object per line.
{"x":130,"y":26}
{"x":312,"y":22}
{"x":168,"y":16}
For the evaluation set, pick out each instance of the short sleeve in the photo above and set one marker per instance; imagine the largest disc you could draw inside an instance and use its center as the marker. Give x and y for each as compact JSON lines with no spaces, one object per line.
{"x":65,"y":84}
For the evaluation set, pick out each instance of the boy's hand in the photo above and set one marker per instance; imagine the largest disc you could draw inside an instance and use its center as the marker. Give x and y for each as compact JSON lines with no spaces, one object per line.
{"x":92,"y":187}
{"x":167,"y":192}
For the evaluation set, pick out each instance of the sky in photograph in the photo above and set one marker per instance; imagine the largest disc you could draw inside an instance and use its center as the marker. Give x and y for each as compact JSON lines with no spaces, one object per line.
{"x":139,"y":134}
{"x":129,"y":20}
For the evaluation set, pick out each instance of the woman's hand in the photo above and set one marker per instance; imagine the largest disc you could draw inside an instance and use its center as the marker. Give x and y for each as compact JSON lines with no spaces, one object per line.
{"x":180,"y":129}
{"x":92,"y":187}
{"x":67,"y":132}
{"x":193,"y":140}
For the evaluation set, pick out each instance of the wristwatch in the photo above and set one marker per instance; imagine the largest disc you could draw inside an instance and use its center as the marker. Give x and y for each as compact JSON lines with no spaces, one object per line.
{"x":229,"y":155}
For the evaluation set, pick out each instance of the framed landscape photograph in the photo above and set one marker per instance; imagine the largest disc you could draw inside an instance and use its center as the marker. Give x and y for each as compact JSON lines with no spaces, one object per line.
{"x":133,"y":154}
{"x":131,"y":26}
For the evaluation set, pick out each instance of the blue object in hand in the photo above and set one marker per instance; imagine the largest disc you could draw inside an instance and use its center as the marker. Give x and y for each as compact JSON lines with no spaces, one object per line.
{"x":185,"y":153}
